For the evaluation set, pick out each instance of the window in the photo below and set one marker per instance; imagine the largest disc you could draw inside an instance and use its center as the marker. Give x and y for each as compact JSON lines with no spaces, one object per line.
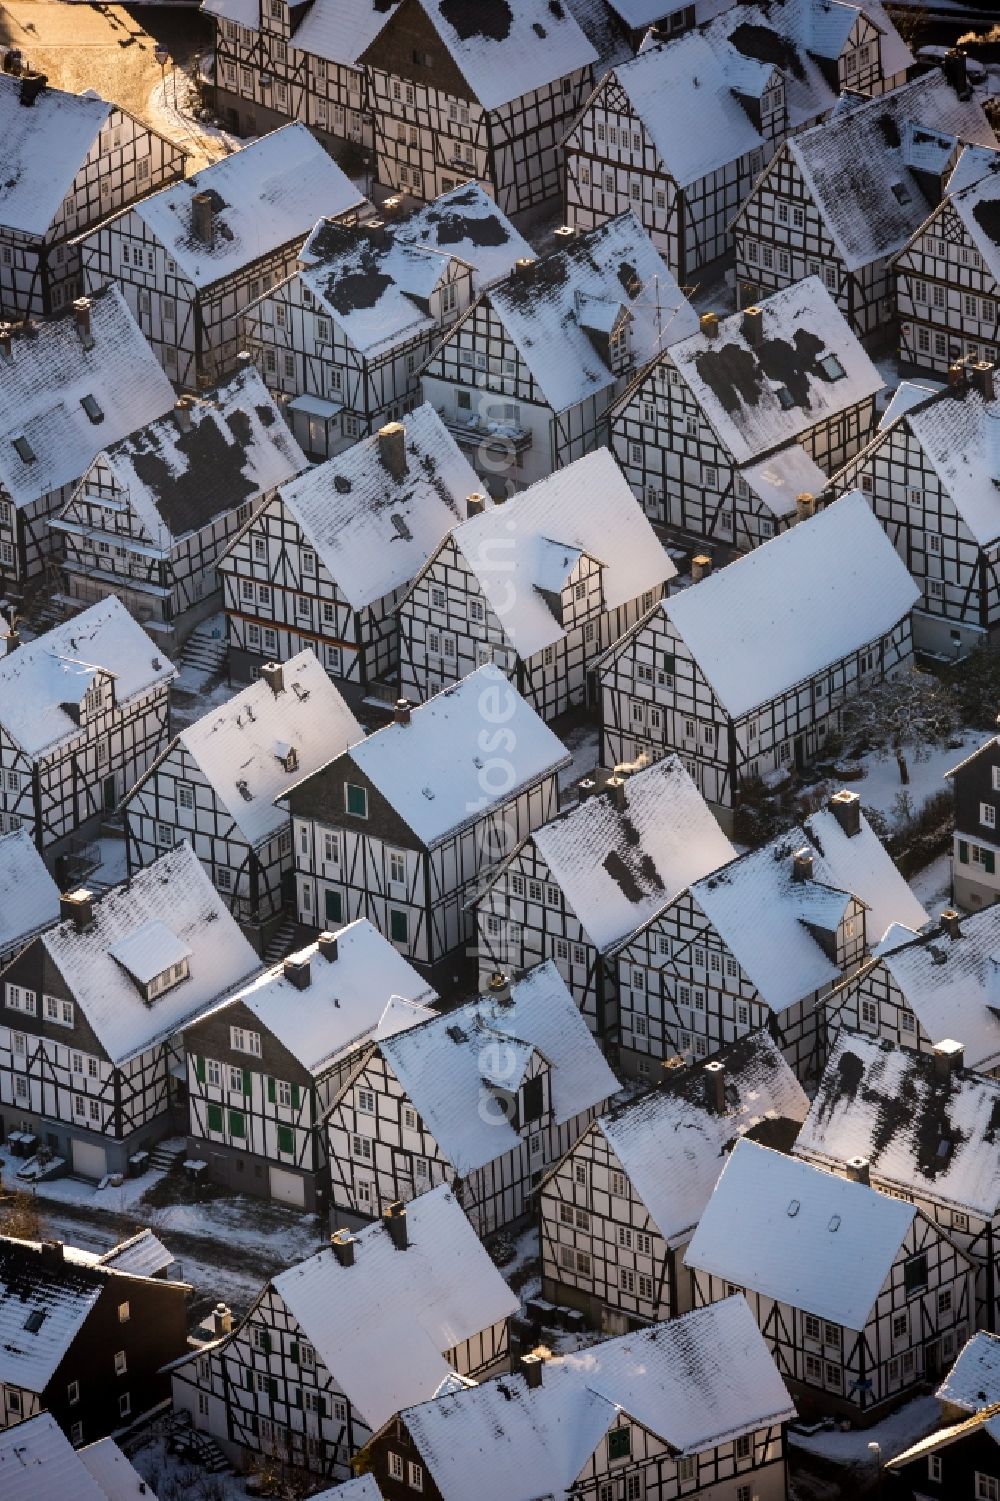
{"x":900,"y":1325}
{"x":73,"y":1393}
{"x":743,"y":1446}
{"x":934,"y":1467}
{"x":618,"y":1184}
{"x":988,"y":815}
{"x":124,"y":1313}
{"x":685,"y":1467}
{"x":399,"y":926}
{"x":987,"y":1487}
{"x":959,"y":1221}
{"x":395,"y":1466}
{"x":356,"y":800}
{"x":620,"y":1443}
{"x":415,"y":1474}
{"x":915,"y":1275}
{"x":944,"y":1301}
{"x":361,"y":1147}
{"x":121,"y":1364}
{"x":243,"y":1041}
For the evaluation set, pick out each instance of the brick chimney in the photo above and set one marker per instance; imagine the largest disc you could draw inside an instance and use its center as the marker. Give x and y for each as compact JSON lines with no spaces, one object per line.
{"x":52,"y":1253}
{"x":475,"y":505}
{"x":958,"y":379}
{"x":326,"y":944}
{"x":32,"y":85}
{"x":951,"y":923}
{"x":805,"y":505}
{"x":222,"y":1319}
{"x":524,"y":266}
{"x":532,"y":1367}
{"x":273,"y":675}
{"x":296,"y":971}
{"x":615,"y":787}
{"x":753,"y":326}
{"x":983,"y":380}
{"x":701,"y":567}
{"x":802,"y":865}
{"x":858,"y":1170}
{"x":709,"y":325}
{"x":6,"y":341}
{"x":949,"y":1057}
{"x":203,"y":218}
{"x":342,"y":1245}
{"x":182,"y":413}
{"x":846,"y":809}
{"x":392,"y":449}
{"x":714,"y":1075}
{"x":77,"y":907}
{"x":401,"y":713}
{"x":498,"y":988}
{"x":395,"y":1223}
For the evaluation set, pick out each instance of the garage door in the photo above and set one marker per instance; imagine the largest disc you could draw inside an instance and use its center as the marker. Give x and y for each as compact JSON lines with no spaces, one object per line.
{"x":288,"y":1187}
{"x":89,"y":1159}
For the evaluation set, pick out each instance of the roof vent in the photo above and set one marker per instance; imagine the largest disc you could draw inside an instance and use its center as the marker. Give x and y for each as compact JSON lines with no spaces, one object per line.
{"x":805,"y":505}
{"x":834,"y":1222}
{"x":182,"y":413}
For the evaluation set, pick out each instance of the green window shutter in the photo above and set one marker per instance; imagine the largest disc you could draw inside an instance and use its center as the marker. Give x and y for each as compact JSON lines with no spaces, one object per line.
{"x":963,"y":852}
{"x":237,"y":1123}
{"x":293,"y":1351}
{"x":399,"y":926}
{"x":286,"y":1140}
{"x":247,"y":1082}
{"x":989,"y":862}
{"x":215,"y":1117}
{"x":199,"y":1070}
{"x":271,"y":1092}
{"x":295,"y":1097}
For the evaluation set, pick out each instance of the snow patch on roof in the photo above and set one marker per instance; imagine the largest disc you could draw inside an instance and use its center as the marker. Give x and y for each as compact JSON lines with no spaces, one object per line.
{"x":974,"y":1380}
{"x":29,"y":898}
{"x":38,"y":1463}
{"x":44,"y":148}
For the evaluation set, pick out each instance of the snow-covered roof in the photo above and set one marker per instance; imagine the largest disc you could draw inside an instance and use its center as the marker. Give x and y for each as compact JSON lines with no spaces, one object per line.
{"x":367,"y":992}
{"x":243,"y":12}
{"x":107,"y":1465}
{"x":467,"y":223}
{"x":38,"y":1463}
{"x":372,"y":532}
{"x":338,"y":30}
{"x":866,"y":167}
{"x":542,"y":310}
{"x":434,"y":771}
{"x":788,"y":610}
{"x":940,"y":1145}
{"x":861,"y":864}
{"x":974,"y":1380}
{"x":44,"y":147}
{"x":978,"y":208}
{"x":587,"y":507}
{"x":799,"y":1235}
{"x":909,"y":393}
{"x":952,"y":985}
{"x":43,"y":683}
{"x":695,"y":1382}
{"x":781,"y":477}
{"x":439,"y":1065}
{"x":234,"y":449}
{"x":806,"y":367}
{"x":143,"y":1254}
{"x":616,"y":866}
{"x":174,"y":891}
{"x":42,"y":1310}
{"x":956,"y":432}
{"x":382,"y":1326}
{"x":986,"y":1421}
{"x":264,"y":196}
{"x":29,"y":898}
{"x":672,"y":1142}
{"x":149,"y":950}
{"x":237,"y":744}
{"x":503,"y":50}
{"x":361,"y":1488}
{"x":47,"y":378}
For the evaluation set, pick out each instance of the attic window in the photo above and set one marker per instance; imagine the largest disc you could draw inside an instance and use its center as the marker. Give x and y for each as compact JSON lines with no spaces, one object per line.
{"x":793,"y":1209}
{"x":24,"y":451}
{"x":92,"y":409}
{"x":35,"y":1320}
{"x":785,"y":398}
{"x":167,"y":979}
{"x":831,"y":367}
{"x":901,"y":192}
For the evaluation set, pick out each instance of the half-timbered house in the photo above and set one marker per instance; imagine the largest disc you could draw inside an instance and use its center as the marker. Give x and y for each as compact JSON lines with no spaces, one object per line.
{"x":335,"y":1345}
{"x":92,"y":1009}
{"x":575,"y":888}
{"x":928,"y":475}
{"x":929,"y":990}
{"x":29,"y":898}
{"x":938,"y":1152}
{"x":485,"y":1098}
{"x":325,"y":562}
{"x":215,"y":785}
{"x":962,"y":1459}
{"x":692,"y":1408}
{"x":38,"y":1463}
{"x":948,"y":276}
{"x":526,"y":378}
{"x":190,"y":258}
{"x":345,"y":337}
{"x":402,"y":827}
{"x":264,"y":1065}
{"x":729,"y":435}
{"x":81,"y":1341}
{"x":70,"y":160}
{"x":617,"y":1212}
{"x":859,"y":1296}
{"x":975,"y":880}
{"x":758,"y":943}
{"x":457,"y":92}
{"x":748,"y":77}
{"x":744,"y":673}
{"x":68,"y":387}
{"x":542,"y":586}
{"x":83,"y":713}
{"x":153,"y":512}
{"x":839,"y":200}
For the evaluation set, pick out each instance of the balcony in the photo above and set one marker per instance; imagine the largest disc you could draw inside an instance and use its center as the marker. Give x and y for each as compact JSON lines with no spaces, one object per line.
{"x":494,"y":437}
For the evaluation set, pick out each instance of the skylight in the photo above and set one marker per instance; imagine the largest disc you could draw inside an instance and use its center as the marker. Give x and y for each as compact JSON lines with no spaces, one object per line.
{"x":24,"y":451}
{"x":92,"y":408}
{"x":831,"y":367}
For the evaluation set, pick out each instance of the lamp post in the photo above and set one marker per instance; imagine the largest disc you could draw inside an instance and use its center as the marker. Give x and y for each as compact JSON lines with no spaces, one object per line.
{"x":162,"y":56}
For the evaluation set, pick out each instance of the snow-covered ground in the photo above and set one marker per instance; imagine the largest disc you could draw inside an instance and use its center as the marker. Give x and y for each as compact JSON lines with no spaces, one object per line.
{"x":206,"y":142}
{"x":119,"y":1200}
{"x":894,"y":1434}
{"x":880,"y":786}
{"x":584,"y":744}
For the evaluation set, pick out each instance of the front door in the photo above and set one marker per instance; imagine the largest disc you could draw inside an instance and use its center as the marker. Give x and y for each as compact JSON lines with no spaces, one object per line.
{"x":800,"y":752}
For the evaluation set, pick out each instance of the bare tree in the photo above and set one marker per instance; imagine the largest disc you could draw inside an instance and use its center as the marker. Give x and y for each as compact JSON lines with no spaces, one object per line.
{"x":913,"y":710}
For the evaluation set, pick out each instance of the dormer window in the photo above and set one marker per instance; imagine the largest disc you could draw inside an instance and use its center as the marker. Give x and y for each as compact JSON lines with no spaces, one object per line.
{"x":620,"y":347}
{"x":153,"y":957}
{"x":167,"y":979}
{"x":93,"y":699}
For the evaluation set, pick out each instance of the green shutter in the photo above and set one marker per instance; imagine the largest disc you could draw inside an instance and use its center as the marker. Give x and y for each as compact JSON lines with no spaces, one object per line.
{"x":963,"y":852}
{"x":293,"y":1351}
{"x":271,"y":1092}
{"x":286,"y":1141}
{"x":989,"y":862}
{"x":199,"y":1070}
{"x":247,"y":1082}
{"x":295,"y":1097}
{"x":237,"y":1124}
{"x":215,"y":1117}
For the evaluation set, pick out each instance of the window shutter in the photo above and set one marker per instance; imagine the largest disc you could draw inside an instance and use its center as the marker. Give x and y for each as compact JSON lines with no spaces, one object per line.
{"x":293,"y":1351}
{"x":266,"y":1338}
{"x":249,"y":1376}
{"x":247,"y":1082}
{"x":295,"y":1097}
{"x":272,"y":1387}
{"x":963,"y":852}
{"x":199,"y":1070}
{"x":989,"y":861}
{"x":298,"y":1396}
{"x":271,"y":1092}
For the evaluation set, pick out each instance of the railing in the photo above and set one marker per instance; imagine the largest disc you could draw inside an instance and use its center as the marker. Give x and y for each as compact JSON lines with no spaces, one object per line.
{"x":494,"y":436}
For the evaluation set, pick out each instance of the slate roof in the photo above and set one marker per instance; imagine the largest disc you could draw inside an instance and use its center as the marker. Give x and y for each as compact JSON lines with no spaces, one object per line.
{"x":695,"y":1382}
{"x":55,"y":1301}
{"x":44,"y":148}
{"x":978,"y":208}
{"x":929,"y":1137}
{"x":45,"y":381}
{"x":142,"y":1255}
{"x":439,"y":1065}
{"x":805,"y":1237}
{"x":974,"y":1380}
{"x":861,"y":864}
{"x":268,"y":194}
{"x":338,"y":30}
{"x":672,"y":1143}
{"x":237,"y":449}
{"x":39,"y":679}
{"x":38,"y":1463}
{"x":29,"y":898}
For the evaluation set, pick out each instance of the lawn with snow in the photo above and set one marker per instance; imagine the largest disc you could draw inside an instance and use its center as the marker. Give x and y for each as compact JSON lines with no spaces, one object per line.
{"x":881,"y":786}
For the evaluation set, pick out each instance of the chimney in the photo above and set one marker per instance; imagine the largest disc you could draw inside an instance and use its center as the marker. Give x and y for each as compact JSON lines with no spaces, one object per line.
{"x":77,"y":906}
{"x":802,"y":865}
{"x":982,"y":379}
{"x":498,"y":988}
{"x":565,"y":233}
{"x":846,"y":809}
{"x":715,"y":1088}
{"x":326,"y":944}
{"x":949,"y":1057}
{"x":805,"y":505}
{"x":701,"y":567}
{"x":523,"y":267}
{"x":475,"y":505}
{"x":52,"y":1254}
{"x":222,"y":1319}
{"x":6,"y":341}
{"x":377,"y":232}
{"x":395,"y":1223}
{"x":81,"y":312}
{"x":392,"y":206}
{"x":32,"y":85}
{"x":709,"y":325}
{"x":392,"y":449}
{"x":401,"y":713}
{"x":957,"y":73}
{"x":531,"y":1367}
{"x":586,"y":788}
{"x":342,"y":1245}
{"x":950,"y":923}
{"x":858,"y":1170}
{"x":991,"y":436}
{"x":753,"y":326}
{"x":273,"y":675}
{"x":203,"y":218}
{"x":957,"y":378}
{"x":296,"y":970}
{"x":182,"y":413}
{"x":616,"y":787}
